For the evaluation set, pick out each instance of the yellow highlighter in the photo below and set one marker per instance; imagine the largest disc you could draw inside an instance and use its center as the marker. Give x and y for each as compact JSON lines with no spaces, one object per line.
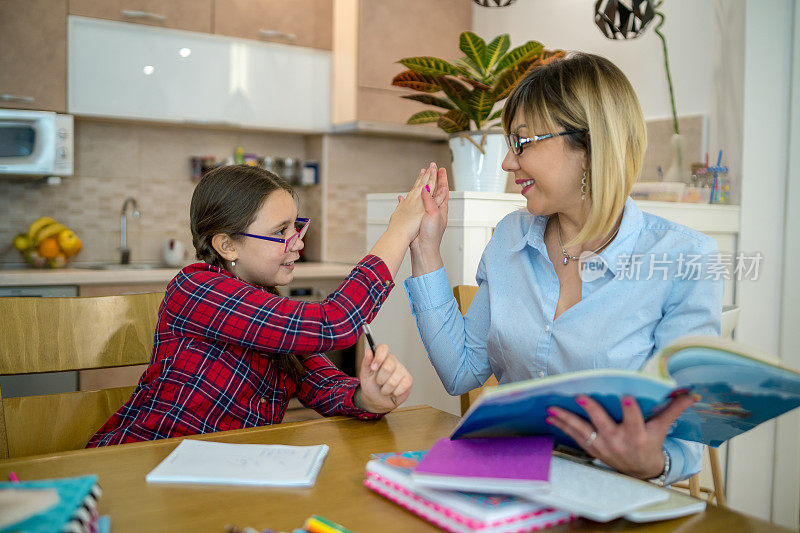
{"x":317,"y":524}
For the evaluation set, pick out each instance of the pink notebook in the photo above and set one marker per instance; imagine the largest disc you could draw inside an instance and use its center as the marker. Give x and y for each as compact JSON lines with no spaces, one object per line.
{"x":498,"y":465}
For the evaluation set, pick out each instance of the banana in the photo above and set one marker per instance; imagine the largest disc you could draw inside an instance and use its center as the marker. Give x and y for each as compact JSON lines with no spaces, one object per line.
{"x":39,"y":224}
{"x":48,"y":231}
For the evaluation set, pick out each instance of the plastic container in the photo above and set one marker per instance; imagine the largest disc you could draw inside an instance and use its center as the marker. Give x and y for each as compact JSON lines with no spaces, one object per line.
{"x":697,"y":195}
{"x":658,"y":191}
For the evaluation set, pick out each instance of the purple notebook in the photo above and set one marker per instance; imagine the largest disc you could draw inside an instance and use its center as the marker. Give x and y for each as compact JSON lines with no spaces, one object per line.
{"x":499,"y":465}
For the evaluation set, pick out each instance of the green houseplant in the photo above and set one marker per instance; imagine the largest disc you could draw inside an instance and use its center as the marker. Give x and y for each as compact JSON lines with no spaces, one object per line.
{"x":470,"y":90}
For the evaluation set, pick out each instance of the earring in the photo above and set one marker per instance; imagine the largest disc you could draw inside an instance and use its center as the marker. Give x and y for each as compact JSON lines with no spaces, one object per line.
{"x":233,"y":263}
{"x":584,"y":187}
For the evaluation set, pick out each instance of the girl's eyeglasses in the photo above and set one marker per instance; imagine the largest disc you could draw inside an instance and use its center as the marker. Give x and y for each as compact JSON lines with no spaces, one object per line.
{"x":300,"y":230}
{"x":517,"y":143}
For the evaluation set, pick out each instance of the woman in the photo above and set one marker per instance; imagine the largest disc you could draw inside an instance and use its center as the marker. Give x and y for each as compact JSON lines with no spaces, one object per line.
{"x":576,"y":139}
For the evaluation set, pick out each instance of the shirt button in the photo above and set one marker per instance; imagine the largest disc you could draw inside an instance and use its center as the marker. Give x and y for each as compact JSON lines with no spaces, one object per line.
{"x":541,"y":374}
{"x":263,"y":400}
{"x":547,"y":328}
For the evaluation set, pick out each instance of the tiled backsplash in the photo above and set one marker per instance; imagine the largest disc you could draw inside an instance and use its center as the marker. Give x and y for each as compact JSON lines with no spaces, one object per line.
{"x":150,"y":162}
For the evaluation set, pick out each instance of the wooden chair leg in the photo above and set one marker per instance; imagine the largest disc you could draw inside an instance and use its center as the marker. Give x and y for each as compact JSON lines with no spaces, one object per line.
{"x":716,"y":473}
{"x":694,"y":486}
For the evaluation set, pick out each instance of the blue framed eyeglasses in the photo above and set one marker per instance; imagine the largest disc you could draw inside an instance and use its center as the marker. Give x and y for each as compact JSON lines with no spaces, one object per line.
{"x":300,"y":230}
{"x":517,"y":143}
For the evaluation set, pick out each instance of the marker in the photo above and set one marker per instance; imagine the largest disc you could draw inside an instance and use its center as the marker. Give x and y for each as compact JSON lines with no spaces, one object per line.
{"x":13,"y":477}
{"x":317,"y":524}
{"x":371,"y":341}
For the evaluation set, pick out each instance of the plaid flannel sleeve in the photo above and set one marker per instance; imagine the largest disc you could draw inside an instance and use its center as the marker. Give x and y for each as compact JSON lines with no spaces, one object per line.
{"x":225,"y":309}
{"x":328,"y":390}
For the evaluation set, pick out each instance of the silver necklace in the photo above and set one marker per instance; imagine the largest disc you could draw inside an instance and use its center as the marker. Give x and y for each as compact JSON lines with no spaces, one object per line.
{"x":568,"y":258}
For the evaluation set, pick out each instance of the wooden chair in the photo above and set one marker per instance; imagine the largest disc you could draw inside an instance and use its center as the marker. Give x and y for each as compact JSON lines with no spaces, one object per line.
{"x":65,"y":334}
{"x":464,"y":295}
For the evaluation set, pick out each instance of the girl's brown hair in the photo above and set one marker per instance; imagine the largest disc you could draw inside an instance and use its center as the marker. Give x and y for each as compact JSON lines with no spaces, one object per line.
{"x":227,"y":200}
{"x":588,"y":93}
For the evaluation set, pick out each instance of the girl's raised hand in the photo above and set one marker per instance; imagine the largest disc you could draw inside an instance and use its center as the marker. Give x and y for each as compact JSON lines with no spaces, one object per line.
{"x":385,"y":382}
{"x":434,"y":221}
{"x":409,"y":211}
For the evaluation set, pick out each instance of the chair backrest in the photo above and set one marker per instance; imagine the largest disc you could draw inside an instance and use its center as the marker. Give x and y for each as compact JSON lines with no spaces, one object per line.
{"x":64,"y":334}
{"x":464,"y":295}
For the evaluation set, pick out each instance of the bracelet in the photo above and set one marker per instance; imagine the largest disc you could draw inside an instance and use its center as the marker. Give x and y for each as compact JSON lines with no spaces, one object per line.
{"x":661,"y":480}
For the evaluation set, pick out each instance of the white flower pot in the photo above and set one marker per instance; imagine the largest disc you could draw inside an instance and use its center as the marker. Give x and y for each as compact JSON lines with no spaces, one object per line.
{"x":477,"y":156}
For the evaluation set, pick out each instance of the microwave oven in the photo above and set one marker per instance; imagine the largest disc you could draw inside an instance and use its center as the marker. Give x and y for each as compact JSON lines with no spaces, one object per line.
{"x":35,"y":143}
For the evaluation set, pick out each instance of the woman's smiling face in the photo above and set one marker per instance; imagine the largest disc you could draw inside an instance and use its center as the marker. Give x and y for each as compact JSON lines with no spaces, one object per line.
{"x":549,"y":171}
{"x":265,"y":263}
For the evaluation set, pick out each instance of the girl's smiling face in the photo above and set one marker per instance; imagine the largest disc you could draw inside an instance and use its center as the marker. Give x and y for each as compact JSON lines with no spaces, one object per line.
{"x":265,"y":263}
{"x":549,"y":171}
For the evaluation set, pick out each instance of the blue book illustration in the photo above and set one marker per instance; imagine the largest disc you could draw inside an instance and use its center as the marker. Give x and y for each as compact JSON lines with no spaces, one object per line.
{"x":737,"y":388}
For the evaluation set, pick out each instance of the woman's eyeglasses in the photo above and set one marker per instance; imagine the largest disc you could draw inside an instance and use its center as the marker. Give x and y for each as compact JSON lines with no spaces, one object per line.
{"x":517,"y":143}
{"x":300,"y":230}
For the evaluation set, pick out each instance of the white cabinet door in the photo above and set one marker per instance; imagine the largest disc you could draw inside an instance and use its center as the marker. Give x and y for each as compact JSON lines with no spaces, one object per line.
{"x":131,"y":71}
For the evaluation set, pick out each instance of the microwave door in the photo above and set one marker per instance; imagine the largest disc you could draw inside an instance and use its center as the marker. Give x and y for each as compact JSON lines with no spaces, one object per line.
{"x":26,"y":145}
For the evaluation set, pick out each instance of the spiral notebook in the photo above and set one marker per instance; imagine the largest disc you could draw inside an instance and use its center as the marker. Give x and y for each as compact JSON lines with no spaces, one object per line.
{"x":268,"y":465}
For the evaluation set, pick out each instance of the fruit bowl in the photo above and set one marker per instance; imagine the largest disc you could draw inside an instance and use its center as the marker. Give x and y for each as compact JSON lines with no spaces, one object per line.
{"x":48,"y":244}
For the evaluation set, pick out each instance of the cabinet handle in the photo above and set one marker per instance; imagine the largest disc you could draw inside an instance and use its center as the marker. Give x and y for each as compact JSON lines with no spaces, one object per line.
{"x":277,"y":33}
{"x":16,"y":98}
{"x":134,"y":14}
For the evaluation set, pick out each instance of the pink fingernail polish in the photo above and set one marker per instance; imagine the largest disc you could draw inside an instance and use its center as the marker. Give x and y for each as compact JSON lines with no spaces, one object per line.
{"x":551,"y":412}
{"x":549,"y":421}
{"x":580,"y":401}
{"x":428,"y":188}
{"x":627,"y":402}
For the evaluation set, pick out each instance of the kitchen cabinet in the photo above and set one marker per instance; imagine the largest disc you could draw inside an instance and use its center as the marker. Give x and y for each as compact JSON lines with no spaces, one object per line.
{"x":140,"y":72}
{"x":193,"y":15}
{"x":33,"y":41}
{"x":299,"y":22}
{"x":385,"y":32}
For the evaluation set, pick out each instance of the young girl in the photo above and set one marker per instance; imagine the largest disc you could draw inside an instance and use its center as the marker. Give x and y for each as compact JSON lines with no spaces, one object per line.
{"x":229,"y":352}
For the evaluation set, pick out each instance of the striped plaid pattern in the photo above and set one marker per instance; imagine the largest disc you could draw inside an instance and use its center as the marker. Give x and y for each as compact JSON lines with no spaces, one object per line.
{"x":211,"y":367}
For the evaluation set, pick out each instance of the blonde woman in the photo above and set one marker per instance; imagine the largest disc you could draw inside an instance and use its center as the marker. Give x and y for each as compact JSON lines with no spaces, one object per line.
{"x":576,"y":139}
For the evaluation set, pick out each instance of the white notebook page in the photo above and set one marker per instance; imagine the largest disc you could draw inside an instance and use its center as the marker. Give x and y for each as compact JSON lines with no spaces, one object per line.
{"x":195,"y":461}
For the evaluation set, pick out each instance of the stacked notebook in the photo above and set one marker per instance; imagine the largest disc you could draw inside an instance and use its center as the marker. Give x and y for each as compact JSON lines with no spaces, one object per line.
{"x":51,"y":505}
{"x":515,"y":484}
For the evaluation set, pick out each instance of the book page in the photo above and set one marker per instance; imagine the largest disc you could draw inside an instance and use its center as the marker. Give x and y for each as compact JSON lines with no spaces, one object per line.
{"x":195,"y":461}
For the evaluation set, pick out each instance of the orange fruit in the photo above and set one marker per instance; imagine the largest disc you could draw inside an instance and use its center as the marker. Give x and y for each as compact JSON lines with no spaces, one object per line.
{"x":49,"y":248}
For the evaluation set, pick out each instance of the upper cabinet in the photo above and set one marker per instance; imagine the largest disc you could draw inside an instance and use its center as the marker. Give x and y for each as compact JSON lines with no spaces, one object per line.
{"x":193,"y":15}
{"x":141,"y":72}
{"x":33,"y":54}
{"x":298,"y":22}
{"x":371,"y":36}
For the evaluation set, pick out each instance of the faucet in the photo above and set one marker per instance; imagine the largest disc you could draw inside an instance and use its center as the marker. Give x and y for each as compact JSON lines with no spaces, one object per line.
{"x":125,"y":252}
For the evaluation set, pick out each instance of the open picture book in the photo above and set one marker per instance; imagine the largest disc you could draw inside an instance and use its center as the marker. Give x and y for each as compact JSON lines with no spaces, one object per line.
{"x":737,"y":388}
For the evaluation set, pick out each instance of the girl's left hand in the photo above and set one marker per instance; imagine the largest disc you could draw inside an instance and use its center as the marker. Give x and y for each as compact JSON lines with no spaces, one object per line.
{"x":633,"y":446}
{"x":385,"y":382}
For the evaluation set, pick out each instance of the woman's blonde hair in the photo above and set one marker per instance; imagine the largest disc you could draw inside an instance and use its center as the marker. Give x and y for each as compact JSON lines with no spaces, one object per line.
{"x":588,"y":93}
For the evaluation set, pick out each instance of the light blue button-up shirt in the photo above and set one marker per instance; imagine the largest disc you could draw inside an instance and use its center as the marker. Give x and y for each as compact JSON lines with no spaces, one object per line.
{"x":655,"y":282}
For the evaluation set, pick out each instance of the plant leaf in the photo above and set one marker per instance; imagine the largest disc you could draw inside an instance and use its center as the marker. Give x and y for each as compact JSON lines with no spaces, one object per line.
{"x":497,"y":114}
{"x":431,"y":65}
{"x":529,"y":50}
{"x":430,"y":100}
{"x":475,"y":83}
{"x":423,"y":117}
{"x":475,"y":49}
{"x":481,"y":102}
{"x":454,"y":121}
{"x":457,"y":93}
{"x":419,"y":82}
{"x":496,"y":49}
{"x":506,"y":82}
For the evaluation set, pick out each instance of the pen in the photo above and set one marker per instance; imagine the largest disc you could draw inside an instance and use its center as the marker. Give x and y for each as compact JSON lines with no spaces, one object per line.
{"x":371,"y":341}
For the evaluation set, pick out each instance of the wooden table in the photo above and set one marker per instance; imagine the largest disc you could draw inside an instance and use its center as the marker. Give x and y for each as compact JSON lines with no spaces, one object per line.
{"x":338,"y":494}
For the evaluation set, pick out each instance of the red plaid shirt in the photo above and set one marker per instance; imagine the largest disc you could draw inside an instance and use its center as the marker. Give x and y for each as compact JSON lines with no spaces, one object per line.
{"x":211,"y":367}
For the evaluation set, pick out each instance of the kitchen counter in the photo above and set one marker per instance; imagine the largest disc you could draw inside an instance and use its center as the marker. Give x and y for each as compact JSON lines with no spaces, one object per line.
{"x":85,"y":276}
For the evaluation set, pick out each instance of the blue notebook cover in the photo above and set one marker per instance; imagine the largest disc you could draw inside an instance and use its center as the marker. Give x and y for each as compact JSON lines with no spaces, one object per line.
{"x":737,"y":391}
{"x":72,"y":494}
